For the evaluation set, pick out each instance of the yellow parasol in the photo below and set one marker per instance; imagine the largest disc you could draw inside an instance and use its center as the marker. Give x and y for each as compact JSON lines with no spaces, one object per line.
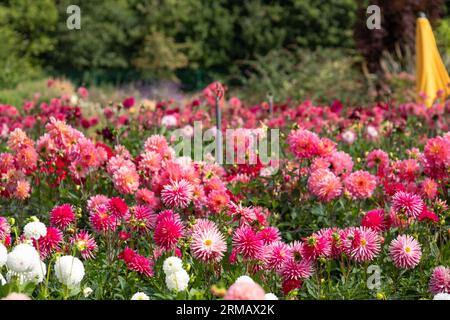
{"x":432,"y":77}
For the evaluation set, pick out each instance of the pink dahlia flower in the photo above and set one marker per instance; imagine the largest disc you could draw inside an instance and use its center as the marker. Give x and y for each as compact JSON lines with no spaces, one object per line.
{"x":177,"y":194}
{"x":62,"y":216}
{"x":360,"y":184}
{"x":325,"y":185}
{"x":405,"y":252}
{"x":407,"y":203}
{"x":208,"y":243}
{"x":440,"y":280}
{"x":244,"y":290}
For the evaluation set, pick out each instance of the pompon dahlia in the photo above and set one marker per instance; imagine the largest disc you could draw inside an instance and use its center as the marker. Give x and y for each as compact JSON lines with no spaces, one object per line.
{"x":244,"y":290}
{"x":405,"y":252}
{"x":374,"y":219}
{"x":296,"y":267}
{"x":62,"y":216}
{"x":360,"y":184}
{"x":168,"y":229}
{"x":247,"y":243}
{"x":303,"y":143}
{"x":361,"y":244}
{"x":136,"y":262}
{"x":316,"y":246}
{"x":141,"y":218}
{"x":49,"y":243}
{"x":177,"y":194}
{"x":440,"y":280}
{"x":278,"y":253}
{"x":118,"y":207}
{"x":407,"y":203}
{"x":269,"y":235}
{"x":84,"y":243}
{"x":324,"y":184}
{"x":208,"y":244}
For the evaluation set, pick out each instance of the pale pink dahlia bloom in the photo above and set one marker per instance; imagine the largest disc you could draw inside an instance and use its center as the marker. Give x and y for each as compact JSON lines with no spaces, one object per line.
{"x":177,"y":194}
{"x":440,"y":280}
{"x":245,"y":290}
{"x":405,"y":252}
{"x":207,"y":243}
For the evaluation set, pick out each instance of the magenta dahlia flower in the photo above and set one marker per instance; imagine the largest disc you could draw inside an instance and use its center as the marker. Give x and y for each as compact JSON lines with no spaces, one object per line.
{"x":316,"y":246}
{"x":62,"y":216}
{"x":375,"y":220}
{"x":296,"y":267}
{"x":49,"y":243}
{"x":168,"y":229}
{"x":247,"y":243}
{"x":407,"y":203}
{"x":405,"y":252}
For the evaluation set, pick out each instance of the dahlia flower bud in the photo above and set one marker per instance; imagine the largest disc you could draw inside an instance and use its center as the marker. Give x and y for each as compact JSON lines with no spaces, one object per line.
{"x":218,"y":291}
{"x":69,"y":271}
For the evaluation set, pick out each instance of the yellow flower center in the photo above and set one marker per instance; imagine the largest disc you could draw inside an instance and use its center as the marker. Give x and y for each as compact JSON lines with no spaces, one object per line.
{"x":363,"y":242}
{"x":208,"y":242}
{"x":408,"y":249}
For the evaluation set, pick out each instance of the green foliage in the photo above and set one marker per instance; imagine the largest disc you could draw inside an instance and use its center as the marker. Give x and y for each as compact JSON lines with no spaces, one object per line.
{"x":319,"y":75}
{"x":25,"y":27}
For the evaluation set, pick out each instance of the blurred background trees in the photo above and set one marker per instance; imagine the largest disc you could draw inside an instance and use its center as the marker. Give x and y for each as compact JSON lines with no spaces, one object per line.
{"x":196,"y":41}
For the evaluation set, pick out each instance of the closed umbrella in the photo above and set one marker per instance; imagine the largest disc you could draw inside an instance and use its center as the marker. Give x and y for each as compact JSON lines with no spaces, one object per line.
{"x":432,"y":77}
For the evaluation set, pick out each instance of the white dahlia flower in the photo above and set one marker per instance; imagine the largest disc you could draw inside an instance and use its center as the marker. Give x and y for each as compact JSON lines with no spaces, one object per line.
{"x":87,"y":292}
{"x":442,"y":296}
{"x":140,"y":296}
{"x":177,"y":281}
{"x":172,"y":265}
{"x":23,"y":258}
{"x":69,"y":271}
{"x":35,"y":230}
{"x":270,"y":296}
{"x":244,"y":279}
{"x":3,"y":255}
{"x":36,"y":275}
